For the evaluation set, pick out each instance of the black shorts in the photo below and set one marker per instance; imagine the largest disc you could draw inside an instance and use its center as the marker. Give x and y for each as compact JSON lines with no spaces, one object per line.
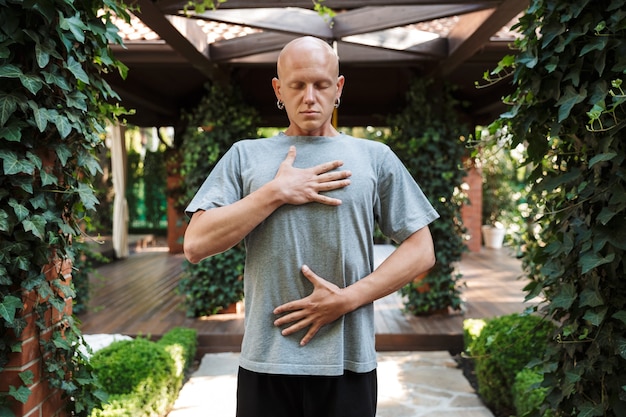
{"x":265,"y":395}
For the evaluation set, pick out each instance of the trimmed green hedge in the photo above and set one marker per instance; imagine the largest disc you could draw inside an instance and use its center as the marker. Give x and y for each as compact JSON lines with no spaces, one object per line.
{"x":143,"y":378}
{"x":528,"y":395}
{"x":503,"y":348}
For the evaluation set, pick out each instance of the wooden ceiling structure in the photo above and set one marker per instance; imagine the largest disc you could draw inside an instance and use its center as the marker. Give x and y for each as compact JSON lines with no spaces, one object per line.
{"x":381,"y":44}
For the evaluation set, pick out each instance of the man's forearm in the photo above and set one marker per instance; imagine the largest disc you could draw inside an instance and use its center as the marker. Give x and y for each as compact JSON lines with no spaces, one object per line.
{"x":414,"y":256}
{"x":219,"y":229}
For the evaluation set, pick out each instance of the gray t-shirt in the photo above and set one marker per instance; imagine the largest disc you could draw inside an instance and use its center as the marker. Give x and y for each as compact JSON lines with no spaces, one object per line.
{"x":336,"y":242}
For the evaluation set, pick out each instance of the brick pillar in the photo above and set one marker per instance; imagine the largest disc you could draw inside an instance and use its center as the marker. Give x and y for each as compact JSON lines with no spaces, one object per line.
{"x":43,"y":401}
{"x":176,"y":220}
{"x":472,"y":213}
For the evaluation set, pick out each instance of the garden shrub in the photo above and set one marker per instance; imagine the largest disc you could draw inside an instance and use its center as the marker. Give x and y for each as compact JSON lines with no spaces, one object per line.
{"x":504,"y":347}
{"x":214,"y":283}
{"x":527,"y":393}
{"x":181,"y":344}
{"x":471,"y":331}
{"x":143,"y":378}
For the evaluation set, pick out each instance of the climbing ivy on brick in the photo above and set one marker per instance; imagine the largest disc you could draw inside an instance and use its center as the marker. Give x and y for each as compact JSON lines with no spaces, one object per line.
{"x":568,"y":108}
{"x":54,"y":104}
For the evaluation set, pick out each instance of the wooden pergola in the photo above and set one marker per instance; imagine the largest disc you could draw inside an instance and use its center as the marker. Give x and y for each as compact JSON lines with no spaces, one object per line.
{"x":381,"y":45}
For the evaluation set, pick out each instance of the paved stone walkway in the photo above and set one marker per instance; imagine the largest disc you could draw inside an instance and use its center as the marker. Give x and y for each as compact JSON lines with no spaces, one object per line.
{"x":411,"y":384}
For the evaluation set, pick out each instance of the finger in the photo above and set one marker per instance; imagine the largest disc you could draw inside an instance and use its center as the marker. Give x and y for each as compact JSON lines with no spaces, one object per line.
{"x":327,"y":166}
{"x":329,"y":201}
{"x":333,"y":185}
{"x":309,"y":274}
{"x":289,"y":318}
{"x":291,"y":156}
{"x":309,"y":335}
{"x":287,"y":307}
{"x":335,"y":176}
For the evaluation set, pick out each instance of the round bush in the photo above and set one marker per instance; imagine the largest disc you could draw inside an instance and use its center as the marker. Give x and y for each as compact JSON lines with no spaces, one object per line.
{"x":126,"y":365}
{"x":504,"y":347}
{"x":528,"y":395}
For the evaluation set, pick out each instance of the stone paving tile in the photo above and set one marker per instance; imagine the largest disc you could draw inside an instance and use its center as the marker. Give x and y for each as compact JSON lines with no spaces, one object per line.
{"x":411,"y":384}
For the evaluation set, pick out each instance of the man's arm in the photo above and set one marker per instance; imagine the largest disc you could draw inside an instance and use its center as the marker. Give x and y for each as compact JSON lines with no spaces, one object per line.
{"x":328,"y":302}
{"x":219,"y":229}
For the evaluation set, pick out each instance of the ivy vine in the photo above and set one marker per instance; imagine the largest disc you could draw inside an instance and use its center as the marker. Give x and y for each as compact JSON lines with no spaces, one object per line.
{"x":567,"y":108}
{"x":54,"y":104}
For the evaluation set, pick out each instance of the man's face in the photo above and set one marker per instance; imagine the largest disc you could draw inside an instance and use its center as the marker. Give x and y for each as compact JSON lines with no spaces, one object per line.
{"x":309,"y":85}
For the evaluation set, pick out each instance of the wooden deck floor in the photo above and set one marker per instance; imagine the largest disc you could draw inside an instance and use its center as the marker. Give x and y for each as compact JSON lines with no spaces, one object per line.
{"x":137,"y":296}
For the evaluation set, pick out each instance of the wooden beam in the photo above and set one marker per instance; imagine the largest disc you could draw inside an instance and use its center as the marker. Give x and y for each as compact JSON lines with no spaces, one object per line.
{"x":370,"y":19}
{"x":250,"y":45}
{"x":154,"y":18}
{"x":174,"y":6}
{"x":475,"y":29}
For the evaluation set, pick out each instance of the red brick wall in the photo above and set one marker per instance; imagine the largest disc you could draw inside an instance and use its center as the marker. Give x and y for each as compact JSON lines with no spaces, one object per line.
{"x":43,"y":401}
{"x":472,"y":213}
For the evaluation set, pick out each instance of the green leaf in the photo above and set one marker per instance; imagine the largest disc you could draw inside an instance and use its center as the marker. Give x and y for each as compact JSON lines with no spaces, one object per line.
{"x":570,"y":98}
{"x":43,"y":57}
{"x":56,"y":79}
{"x":21,"y":394}
{"x":36,"y":225}
{"x":589,"y":409}
{"x":11,"y":133}
{"x":4,"y":276}
{"x":87,"y":196}
{"x":77,"y":70}
{"x":41,"y":116}
{"x":4,"y":221}
{"x":9,"y":306}
{"x":591,"y":260}
{"x":63,"y":125}
{"x":74,"y":24}
{"x":31,"y":83}
{"x":27,"y":377}
{"x":598,"y":43}
{"x":620,"y":315}
{"x":606,"y":214}
{"x":20,"y":211}
{"x":565,"y":297}
{"x":13,"y":165}
{"x":591,"y":297}
{"x":602,"y":158}
{"x":595,"y":317}
{"x":63,"y":153}
{"x":47,"y":178}
{"x":8,"y":105}
{"x":77,"y":99}
{"x":10,"y":71}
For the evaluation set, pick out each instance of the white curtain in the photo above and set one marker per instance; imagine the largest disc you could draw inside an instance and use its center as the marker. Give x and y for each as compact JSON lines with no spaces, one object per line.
{"x":120,"y":206}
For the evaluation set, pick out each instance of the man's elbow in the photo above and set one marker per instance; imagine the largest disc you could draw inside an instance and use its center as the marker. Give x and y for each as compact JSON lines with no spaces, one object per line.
{"x":191,"y":252}
{"x":431,"y":259}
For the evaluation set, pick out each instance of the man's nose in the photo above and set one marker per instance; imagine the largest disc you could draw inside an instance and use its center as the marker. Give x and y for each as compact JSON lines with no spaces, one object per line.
{"x":309,"y":94}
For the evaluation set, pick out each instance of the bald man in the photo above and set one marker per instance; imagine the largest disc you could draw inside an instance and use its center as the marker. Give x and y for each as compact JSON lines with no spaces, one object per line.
{"x":306,"y":203}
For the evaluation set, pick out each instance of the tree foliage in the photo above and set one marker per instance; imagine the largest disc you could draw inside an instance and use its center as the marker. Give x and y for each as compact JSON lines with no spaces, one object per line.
{"x":428,"y":137}
{"x":568,"y":108}
{"x":219,"y":120}
{"x":53,"y":110}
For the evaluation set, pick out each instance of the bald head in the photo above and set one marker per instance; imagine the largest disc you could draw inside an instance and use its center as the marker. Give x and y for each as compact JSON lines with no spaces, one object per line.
{"x":307,"y":47}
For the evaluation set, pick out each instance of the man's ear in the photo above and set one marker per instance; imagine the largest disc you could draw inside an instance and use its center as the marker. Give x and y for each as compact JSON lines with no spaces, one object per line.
{"x":340,"y":82}
{"x":276,"y":87}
